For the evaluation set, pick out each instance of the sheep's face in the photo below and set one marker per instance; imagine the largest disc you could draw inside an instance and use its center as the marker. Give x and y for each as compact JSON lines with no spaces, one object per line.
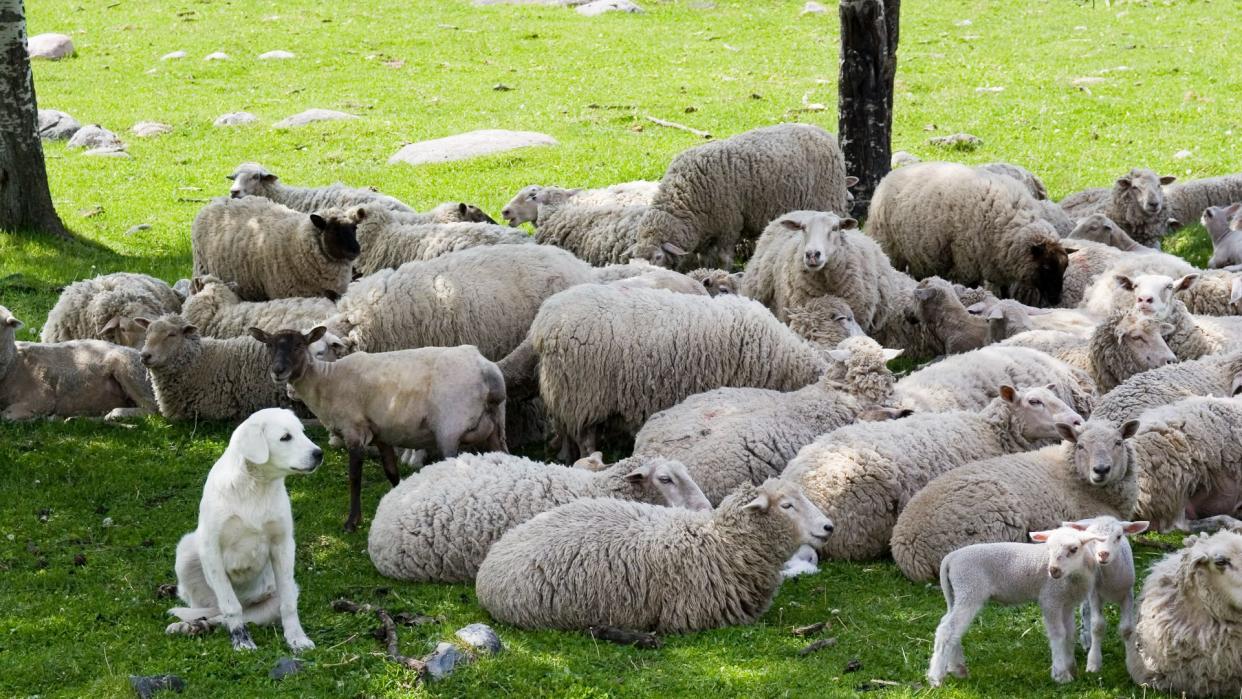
{"x":122,"y":330}
{"x":1068,"y":550}
{"x":166,"y":340}
{"x":1006,"y":320}
{"x":1048,"y":261}
{"x":249,"y":180}
{"x":523,"y":207}
{"x":1217,"y":561}
{"x":473,"y":214}
{"x":721,"y":283}
{"x":1112,"y":532}
{"x":1100,"y":454}
{"x":1039,"y":410}
{"x":1153,"y":293}
{"x":787,"y":499}
{"x":1217,"y":220}
{"x":1141,"y":339}
{"x":863,"y":365}
{"x":821,"y":235}
{"x":670,"y":482}
{"x":290,"y":351}
{"x":338,"y":234}
{"x":1146,"y":189}
{"x":1098,"y":228}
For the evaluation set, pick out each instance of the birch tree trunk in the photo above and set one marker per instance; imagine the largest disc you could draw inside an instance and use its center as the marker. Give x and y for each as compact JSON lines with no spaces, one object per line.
{"x":865,"y":92}
{"x":25,"y":200}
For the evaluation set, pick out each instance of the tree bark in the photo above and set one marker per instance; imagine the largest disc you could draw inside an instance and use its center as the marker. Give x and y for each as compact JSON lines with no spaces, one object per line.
{"x":869,"y":32}
{"x":25,"y":200}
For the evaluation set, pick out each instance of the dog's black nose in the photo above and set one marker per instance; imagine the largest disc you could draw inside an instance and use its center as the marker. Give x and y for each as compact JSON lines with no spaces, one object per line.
{"x":317,"y":455}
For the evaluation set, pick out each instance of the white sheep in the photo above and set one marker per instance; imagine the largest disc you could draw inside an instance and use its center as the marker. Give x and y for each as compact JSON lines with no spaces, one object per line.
{"x":967,"y":226}
{"x":601,"y":234}
{"x":1008,"y":317}
{"x":65,"y":379}
{"x":825,"y":321}
{"x":1213,"y":375}
{"x":388,"y":242}
{"x":717,"y":281}
{"x":1001,"y":499}
{"x":447,"y":212}
{"x":252,"y":179}
{"x":1136,"y":202}
{"x":488,"y":494}
{"x":104,"y":308}
{"x":640,"y":274}
{"x":1089,"y":262}
{"x":1186,"y":201}
{"x":1098,"y":228}
{"x":584,"y":564}
{"x":1113,"y":583}
{"x":1057,"y":574}
{"x":272,"y":251}
{"x":217,"y":311}
{"x":863,"y":475}
{"x":1217,"y":293}
{"x":721,"y":193}
{"x":524,"y":207}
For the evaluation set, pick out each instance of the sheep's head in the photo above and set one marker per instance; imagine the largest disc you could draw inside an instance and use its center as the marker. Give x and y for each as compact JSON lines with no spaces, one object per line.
{"x":862,"y":365}
{"x":249,"y":180}
{"x":1141,"y":338}
{"x":667,"y":481}
{"x":1048,"y":263}
{"x":290,"y":351}
{"x":1068,"y":550}
{"x":824,"y":320}
{"x":328,"y":348}
{"x":8,"y":321}
{"x":168,"y":338}
{"x":1215,"y":564}
{"x":123,"y":330}
{"x":821,"y":234}
{"x":472,"y":214}
{"x":1113,"y":533}
{"x":338,"y":232}
{"x":522,"y":207}
{"x":1153,"y":293}
{"x":654,"y":230}
{"x":212,"y":286}
{"x":1101,"y":455}
{"x":1145,"y":189}
{"x":718,"y":282}
{"x":1099,"y":228}
{"x":1038,"y":411}
{"x":936,"y":306}
{"x":787,"y":499}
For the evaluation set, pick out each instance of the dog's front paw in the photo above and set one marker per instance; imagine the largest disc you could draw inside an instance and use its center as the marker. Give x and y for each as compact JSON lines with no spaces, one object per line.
{"x":300,"y":643}
{"x":241,"y":639}
{"x":196,"y":627}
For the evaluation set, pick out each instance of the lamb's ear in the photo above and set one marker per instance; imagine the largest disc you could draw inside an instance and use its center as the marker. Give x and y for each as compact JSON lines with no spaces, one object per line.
{"x":839,"y":355}
{"x":1168,"y":179}
{"x":231,"y":177}
{"x":318,"y":222}
{"x":639,"y":474}
{"x":1129,"y":429}
{"x":673,"y":249}
{"x":111,"y":325}
{"x":1124,"y":282}
{"x":1067,"y":432}
{"x":891,"y":354}
{"x":1233,"y":209}
{"x":1051,"y":387}
{"x":761,"y":503}
{"x":1185,"y":282}
{"x":315,"y":335}
{"x":850,"y":181}
{"x":1235,"y":290}
{"x":848,"y":224}
{"x":251,"y":443}
{"x":143,"y":323}
{"x":1080,"y":526}
{"x":1132,"y":528}
{"x":260,"y":335}
{"x":1041,"y":537}
{"x":1008,"y":393}
{"x":792,"y":224}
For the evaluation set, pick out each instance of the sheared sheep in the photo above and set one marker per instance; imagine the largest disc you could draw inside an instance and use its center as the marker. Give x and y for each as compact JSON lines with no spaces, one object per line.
{"x":217,"y":311}
{"x":1136,"y":202}
{"x":524,"y":207}
{"x":252,"y":179}
{"x":104,"y":308}
{"x":388,"y":242}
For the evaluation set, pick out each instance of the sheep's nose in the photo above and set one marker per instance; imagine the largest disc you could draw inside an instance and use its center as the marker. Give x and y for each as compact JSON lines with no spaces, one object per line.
{"x":1101,"y":470}
{"x":506,"y":213}
{"x":1147,"y":299}
{"x":146,"y":357}
{"x":1103,"y":556}
{"x":828,"y":527}
{"x":1076,"y":422}
{"x":1054,"y":571}
{"x":814,"y":256}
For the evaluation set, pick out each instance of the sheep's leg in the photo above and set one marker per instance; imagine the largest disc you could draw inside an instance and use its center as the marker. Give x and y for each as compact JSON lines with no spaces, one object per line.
{"x":1099,"y":627}
{"x":1084,"y":632}
{"x":1059,"y":637}
{"x":388,"y":458}
{"x":1126,"y":627}
{"x":356,"y":454}
{"x":948,"y":655}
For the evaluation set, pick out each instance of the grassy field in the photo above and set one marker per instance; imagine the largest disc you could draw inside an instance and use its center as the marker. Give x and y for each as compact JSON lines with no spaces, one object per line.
{"x":90,"y":514}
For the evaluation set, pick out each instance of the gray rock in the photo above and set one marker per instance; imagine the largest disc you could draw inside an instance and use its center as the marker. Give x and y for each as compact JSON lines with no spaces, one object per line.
{"x":599,"y":7}
{"x":443,"y":660}
{"x":182,"y":289}
{"x":481,"y":637}
{"x":469,"y":145}
{"x":108,"y":152}
{"x":217,"y":56}
{"x":235,"y":119}
{"x":95,"y":136}
{"x":56,"y":125}
{"x":52,"y":47}
{"x":902,"y":158}
{"x":147,"y":686}
{"x":957,"y":141}
{"x":173,"y":56}
{"x":814,"y":8}
{"x":147,"y":129}
{"x":311,"y":116}
{"x":276,"y":56}
{"x":285,"y":667}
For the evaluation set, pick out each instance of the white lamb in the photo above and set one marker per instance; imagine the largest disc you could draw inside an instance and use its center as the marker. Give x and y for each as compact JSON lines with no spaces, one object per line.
{"x":1114,"y":582}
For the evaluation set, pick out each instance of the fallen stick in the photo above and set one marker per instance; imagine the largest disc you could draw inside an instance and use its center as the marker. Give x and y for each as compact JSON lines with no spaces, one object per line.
{"x":390,"y":644}
{"x":648,"y":641}
{"x":682,"y":127}
{"x":809,"y":630}
{"x":818,"y":645}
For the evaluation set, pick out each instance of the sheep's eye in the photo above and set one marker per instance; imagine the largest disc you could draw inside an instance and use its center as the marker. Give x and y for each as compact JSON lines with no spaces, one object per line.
{"x":1168,"y":287}
{"x":787,"y":505}
{"x":1117,"y":443}
{"x":1073,"y":550}
{"x":665,"y":480}
{"x":1036,"y":402}
{"x":840,"y":319}
{"x":531,"y":197}
{"x":287,"y":437}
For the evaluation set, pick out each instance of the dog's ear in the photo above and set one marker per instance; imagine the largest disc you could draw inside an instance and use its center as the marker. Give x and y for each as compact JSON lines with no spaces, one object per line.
{"x":251,"y":443}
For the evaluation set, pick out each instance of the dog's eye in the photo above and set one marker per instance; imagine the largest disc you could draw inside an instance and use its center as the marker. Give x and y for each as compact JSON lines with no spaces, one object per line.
{"x":287,"y":437}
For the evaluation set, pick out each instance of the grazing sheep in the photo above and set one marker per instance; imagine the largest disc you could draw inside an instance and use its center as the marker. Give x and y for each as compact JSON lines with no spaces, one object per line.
{"x":1186,"y":201}
{"x":1114,"y":582}
{"x":825,"y":321}
{"x":198,"y":378}
{"x":1213,"y":375}
{"x":731,"y":436}
{"x":104,"y":308}
{"x":863,"y":475}
{"x":217,"y":311}
{"x":65,"y":379}
{"x":586,"y":563}
{"x":252,"y":179}
{"x":967,"y":226}
{"x":524,"y":207}
{"x":1224,"y":226}
{"x":717,"y":281}
{"x":272,"y":251}
{"x":1057,"y":574}
{"x":1188,"y":640}
{"x":600,"y":235}
{"x":489,"y":494}
{"x":486,"y":297}
{"x":719,"y":194}
{"x":447,"y":397}
{"x":388,"y":242}
{"x":1001,"y":499}
{"x":969,"y":381}
{"x":624,"y":354}
{"x":1098,"y":228}
{"x":1136,"y":202}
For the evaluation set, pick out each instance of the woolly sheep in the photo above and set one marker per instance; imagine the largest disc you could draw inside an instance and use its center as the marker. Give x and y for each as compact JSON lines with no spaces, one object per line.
{"x":104,"y":308}
{"x":202,"y":378}
{"x":967,"y":226}
{"x":639,"y":274}
{"x":600,"y":235}
{"x":65,"y":379}
{"x":524,"y":206}
{"x":447,"y":397}
{"x":1136,"y":202}
{"x":387,"y":242}
{"x":717,"y":281}
{"x":1186,"y":201}
{"x":581,"y":564}
{"x":721,"y":193}
{"x":272,"y":251}
{"x":1114,"y":582}
{"x":1089,"y":262}
{"x":617,"y":354}
{"x":1030,"y":180}
{"x":731,"y":436}
{"x":863,"y":475}
{"x":486,"y":297}
{"x":217,"y":311}
{"x":252,"y":179}
{"x":1008,"y":317}
{"x":1196,"y":336}
{"x":1057,"y":574}
{"x":1188,"y":640}
{"x":1217,"y":293}
{"x":1134,"y":277}
{"x":488,"y":494}
{"x":1213,"y":375}
{"x":448,"y":212}
{"x":1092,"y":473}
{"x":825,"y":321}
{"x":1098,"y":228}
{"x":1224,"y":227}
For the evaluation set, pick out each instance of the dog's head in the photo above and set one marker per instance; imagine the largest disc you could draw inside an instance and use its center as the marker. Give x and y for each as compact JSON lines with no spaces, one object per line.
{"x":273,"y":444}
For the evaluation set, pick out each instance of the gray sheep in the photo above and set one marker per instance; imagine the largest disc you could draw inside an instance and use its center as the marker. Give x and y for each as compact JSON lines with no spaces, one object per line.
{"x":1224,"y":227}
{"x":601,"y":235}
{"x":1098,"y":228}
{"x":825,"y":321}
{"x":717,"y":281}
{"x":104,"y":308}
{"x":252,"y":179}
{"x":1136,"y":202}
{"x":716,"y":195}
{"x":388,"y":242}
{"x":489,"y":494}
{"x":217,"y":311}
{"x":524,"y":206}
{"x":1187,"y":201}
{"x":1213,"y":375}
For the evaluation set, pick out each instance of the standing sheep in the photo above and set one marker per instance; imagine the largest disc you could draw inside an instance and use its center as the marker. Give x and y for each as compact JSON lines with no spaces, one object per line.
{"x":719,"y":194}
{"x":252,"y":179}
{"x":217,"y":311}
{"x":1136,"y":202}
{"x":863,"y":475}
{"x":1213,"y":375}
{"x":489,"y":494}
{"x":104,"y":308}
{"x":647,"y":568}
{"x":967,"y":226}
{"x":1114,"y":582}
{"x":524,"y":207}
{"x":272,"y":251}
{"x":387,"y":242}
{"x":1001,"y":499}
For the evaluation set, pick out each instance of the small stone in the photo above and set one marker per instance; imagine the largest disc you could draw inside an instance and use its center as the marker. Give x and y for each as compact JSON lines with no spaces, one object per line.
{"x":854,"y":665}
{"x":55,"y":125}
{"x":962,"y":23}
{"x":1088,"y":80}
{"x":957,"y":141}
{"x":217,"y":56}
{"x":173,"y":56}
{"x":443,"y":660}
{"x":469,"y":145}
{"x":95,"y":136}
{"x":501,"y":87}
{"x":285,"y":667}
{"x":276,"y":56}
{"x":599,"y":7}
{"x":311,"y":116}
{"x":138,"y":228}
{"x":147,"y":129}
{"x":982,"y":90}
{"x":481,"y":637}
{"x":52,"y":47}
{"x":814,"y":8}
{"x":234,"y":119}
{"x":902,"y":158}
{"x":148,"y":686}
{"x":108,"y":152}
{"x":107,"y":522}
{"x":1182,"y":154}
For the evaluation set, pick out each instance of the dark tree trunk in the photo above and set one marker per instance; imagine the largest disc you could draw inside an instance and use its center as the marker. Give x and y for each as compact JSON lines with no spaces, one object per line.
{"x":25,"y":200}
{"x":865,"y":92}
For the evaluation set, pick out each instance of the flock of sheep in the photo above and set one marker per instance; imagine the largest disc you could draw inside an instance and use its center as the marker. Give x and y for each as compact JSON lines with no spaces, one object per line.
{"x":1086,"y":386}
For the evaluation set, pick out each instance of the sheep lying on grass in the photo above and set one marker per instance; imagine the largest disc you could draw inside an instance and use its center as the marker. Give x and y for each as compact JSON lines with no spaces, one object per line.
{"x":1136,"y":202}
{"x":104,"y":308}
{"x":1098,"y":228}
{"x":388,"y":242}
{"x":1214,"y":375}
{"x":524,"y":207}
{"x":252,"y":179}
{"x":217,"y":311}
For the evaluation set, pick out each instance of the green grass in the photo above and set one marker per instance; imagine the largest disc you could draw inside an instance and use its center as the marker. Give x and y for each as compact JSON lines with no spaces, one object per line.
{"x":69,"y":630}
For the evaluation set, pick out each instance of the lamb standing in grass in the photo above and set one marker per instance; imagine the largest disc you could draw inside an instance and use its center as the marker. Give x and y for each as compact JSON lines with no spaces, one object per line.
{"x":863,"y":475}
{"x":524,"y":206}
{"x":387,"y":242}
{"x":1057,"y":574}
{"x":583,"y":564}
{"x":1114,"y":582}
{"x":104,"y":308}
{"x":217,"y":311}
{"x":1136,"y":202}
{"x":488,"y":494}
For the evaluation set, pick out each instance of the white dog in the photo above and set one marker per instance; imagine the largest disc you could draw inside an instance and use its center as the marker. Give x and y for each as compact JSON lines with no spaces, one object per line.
{"x":237,"y":567}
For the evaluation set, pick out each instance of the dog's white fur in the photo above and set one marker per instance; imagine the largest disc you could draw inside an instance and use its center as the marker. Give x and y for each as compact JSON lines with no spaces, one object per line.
{"x":237,"y":567}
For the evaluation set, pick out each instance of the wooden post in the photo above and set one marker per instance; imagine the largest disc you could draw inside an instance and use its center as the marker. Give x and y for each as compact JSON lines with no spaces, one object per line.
{"x":865,"y":92}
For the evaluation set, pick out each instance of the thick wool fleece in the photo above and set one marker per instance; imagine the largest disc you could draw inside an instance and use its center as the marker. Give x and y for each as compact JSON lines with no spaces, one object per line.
{"x":1186,"y":201}
{"x":85,"y":307}
{"x":969,"y":381}
{"x":308,"y":200}
{"x":638,"y":567}
{"x":219,"y":312}
{"x":1210,"y":376}
{"x":1212,"y":294}
{"x":388,"y":242}
{"x":1145,"y":227}
{"x":1198,"y":336}
{"x":601,"y":235}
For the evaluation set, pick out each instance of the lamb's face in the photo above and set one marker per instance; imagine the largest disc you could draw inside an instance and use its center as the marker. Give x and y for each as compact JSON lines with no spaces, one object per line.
{"x":1099,"y":453}
{"x":1112,"y":534}
{"x":1153,"y":293}
{"x":1068,"y":551}
{"x":788,"y":500}
{"x":720,"y":283}
{"x":1141,"y":338}
{"x":167,"y":339}
{"x":1218,"y":562}
{"x":1039,"y":410}
{"x":1146,"y":189}
{"x":672,"y":481}
{"x":821,"y":235}
{"x":1217,"y":220}
{"x":1048,"y":263}
{"x":522,"y":207}
{"x":248,"y":180}
{"x":338,"y":234}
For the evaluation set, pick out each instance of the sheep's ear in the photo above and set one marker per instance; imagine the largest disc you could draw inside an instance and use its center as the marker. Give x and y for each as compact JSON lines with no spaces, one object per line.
{"x":891,"y":354}
{"x":1008,"y":393}
{"x":231,"y":177}
{"x":267,"y":176}
{"x":996,"y":314}
{"x":1124,"y":282}
{"x":707,"y":282}
{"x":142,"y":323}
{"x":839,"y":355}
{"x":673,"y":249}
{"x":792,"y":224}
{"x":315,"y":335}
{"x":1235,"y":290}
{"x":639,"y":474}
{"x":260,"y":335}
{"x":1067,"y":432}
{"x":360,"y":213}
{"x":977,"y":308}
{"x":12,"y":322}
{"x":1041,"y":537}
{"x":1124,"y":182}
{"x":1129,"y":429}
{"x":318,"y":222}
{"x":1080,"y":526}
{"x":1233,"y":209}
{"x":111,"y":325}
{"x":1186,"y":282}
{"x":923,"y":293}
{"x":761,"y":503}
{"x":848,"y":224}
{"x":1051,"y":387}
{"x":189,"y":330}
{"x":850,"y":181}
{"x":1168,"y":179}
{"x":1132,"y":528}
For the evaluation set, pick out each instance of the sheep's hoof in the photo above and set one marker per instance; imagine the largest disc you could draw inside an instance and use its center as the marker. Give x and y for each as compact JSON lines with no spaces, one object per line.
{"x":350,"y":526}
{"x":961,"y":671}
{"x":1062,"y":676}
